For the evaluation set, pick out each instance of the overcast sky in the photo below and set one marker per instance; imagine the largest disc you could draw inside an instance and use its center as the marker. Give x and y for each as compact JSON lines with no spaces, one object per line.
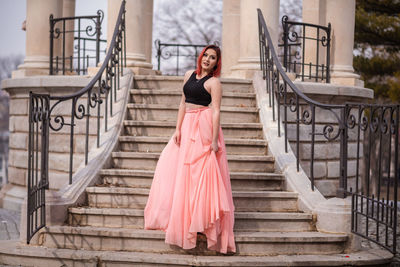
{"x":13,"y":13}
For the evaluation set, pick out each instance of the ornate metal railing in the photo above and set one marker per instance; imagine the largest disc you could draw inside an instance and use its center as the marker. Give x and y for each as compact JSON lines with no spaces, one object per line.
{"x":351,"y":126}
{"x":298,"y":35}
{"x":188,"y":51}
{"x":99,"y":96}
{"x":86,"y":48}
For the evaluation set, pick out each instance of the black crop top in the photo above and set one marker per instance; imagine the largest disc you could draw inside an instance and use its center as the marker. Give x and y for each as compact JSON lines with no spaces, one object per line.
{"x":195,"y":92}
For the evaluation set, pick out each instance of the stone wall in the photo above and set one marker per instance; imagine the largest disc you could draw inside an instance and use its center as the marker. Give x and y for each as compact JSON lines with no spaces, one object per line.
{"x":326,"y":152}
{"x":59,"y":141}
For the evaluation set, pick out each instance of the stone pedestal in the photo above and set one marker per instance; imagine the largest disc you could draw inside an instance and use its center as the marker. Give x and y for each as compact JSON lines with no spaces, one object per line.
{"x":230,"y":35}
{"x":249,"y":56}
{"x":37,"y":37}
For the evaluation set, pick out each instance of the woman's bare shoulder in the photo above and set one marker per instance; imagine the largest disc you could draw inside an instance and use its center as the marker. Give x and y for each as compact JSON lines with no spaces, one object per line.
{"x":187,"y":75}
{"x":215,"y":81}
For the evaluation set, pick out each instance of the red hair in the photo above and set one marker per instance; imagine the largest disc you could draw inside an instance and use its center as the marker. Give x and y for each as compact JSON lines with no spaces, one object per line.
{"x":217,"y":68}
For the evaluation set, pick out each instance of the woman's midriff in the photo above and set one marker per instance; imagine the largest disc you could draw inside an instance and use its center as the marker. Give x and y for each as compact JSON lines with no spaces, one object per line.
{"x":190,"y":106}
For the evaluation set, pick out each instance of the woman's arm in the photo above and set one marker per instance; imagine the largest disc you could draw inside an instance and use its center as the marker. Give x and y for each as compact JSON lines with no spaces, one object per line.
{"x":181,"y":112}
{"x":216,"y":94}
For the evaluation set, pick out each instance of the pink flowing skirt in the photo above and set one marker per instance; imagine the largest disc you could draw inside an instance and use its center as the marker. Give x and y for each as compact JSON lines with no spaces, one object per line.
{"x":191,"y":189}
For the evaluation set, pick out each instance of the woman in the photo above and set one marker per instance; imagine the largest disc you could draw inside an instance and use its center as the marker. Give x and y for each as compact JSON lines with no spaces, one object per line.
{"x":191,"y":191}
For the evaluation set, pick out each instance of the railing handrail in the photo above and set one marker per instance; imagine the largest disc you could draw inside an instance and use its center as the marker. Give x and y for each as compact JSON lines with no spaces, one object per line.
{"x":40,"y":113}
{"x":175,"y":53}
{"x":103,"y":66}
{"x":74,"y":18}
{"x":352,"y":120}
{"x":308,"y":24}
{"x":282,"y":72}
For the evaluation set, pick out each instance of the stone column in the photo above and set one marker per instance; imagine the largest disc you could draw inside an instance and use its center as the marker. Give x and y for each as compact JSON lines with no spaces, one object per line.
{"x":138,"y":32}
{"x":341,"y":15}
{"x":37,"y":37}
{"x":69,"y":11}
{"x":230,"y":35}
{"x":148,"y":29}
{"x":314,"y":13}
{"x":249,"y":56}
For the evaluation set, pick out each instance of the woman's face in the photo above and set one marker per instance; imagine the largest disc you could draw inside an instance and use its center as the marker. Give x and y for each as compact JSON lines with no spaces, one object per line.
{"x":209,"y":60}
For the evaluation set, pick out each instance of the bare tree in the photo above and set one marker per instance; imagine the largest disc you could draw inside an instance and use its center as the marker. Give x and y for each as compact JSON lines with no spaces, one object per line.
{"x":186,"y":22}
{"x":292,"y":8}
{"x":8,"y":64}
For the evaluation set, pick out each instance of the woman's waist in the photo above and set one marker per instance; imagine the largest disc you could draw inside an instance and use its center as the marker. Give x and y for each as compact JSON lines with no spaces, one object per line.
{"x":196,"y":108}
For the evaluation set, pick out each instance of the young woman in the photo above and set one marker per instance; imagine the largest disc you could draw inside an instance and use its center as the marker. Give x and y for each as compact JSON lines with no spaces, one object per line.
{"x":191,"y":191}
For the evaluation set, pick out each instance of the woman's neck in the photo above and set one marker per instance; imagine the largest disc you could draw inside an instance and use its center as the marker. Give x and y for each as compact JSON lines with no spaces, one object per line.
{"x":204,"y":73}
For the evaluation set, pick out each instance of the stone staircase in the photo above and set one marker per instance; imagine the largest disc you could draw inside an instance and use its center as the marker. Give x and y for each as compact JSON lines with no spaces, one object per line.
{"x":267,"y":219}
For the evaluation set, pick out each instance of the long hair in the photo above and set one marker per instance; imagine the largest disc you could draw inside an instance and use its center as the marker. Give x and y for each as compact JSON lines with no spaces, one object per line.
{"x":216,"y":72}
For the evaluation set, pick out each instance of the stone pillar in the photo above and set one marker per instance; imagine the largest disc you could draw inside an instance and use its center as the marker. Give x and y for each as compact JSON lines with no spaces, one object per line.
{"x":230,"y":35}
{"x":148,"y":29}
{"x":37,"y":37}
{"x":138,"y":32}
{"x":249,"y":56}
{"x":69,"y":11}
{"x":314,"y":12}
{"x":341,"y":15}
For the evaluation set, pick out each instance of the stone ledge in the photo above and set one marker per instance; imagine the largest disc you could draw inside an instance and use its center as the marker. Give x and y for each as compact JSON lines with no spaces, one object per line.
{"x":54,"y":81}
{"x":334,"y":89}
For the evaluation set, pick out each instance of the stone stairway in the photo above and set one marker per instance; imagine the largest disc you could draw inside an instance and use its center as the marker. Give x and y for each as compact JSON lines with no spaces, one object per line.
{"x":267,"y":219}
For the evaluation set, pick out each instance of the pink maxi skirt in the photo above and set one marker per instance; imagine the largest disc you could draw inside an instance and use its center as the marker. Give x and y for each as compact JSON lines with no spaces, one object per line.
{"x":191,"y":189}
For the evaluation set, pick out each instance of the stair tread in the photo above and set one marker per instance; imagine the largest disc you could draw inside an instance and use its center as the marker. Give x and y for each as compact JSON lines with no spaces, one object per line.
{"x":175,"y":107}
{"x":179,"y":92}
{"x":238,"y":214}
{"x":303,"y":236}
{"x":154,"y":155}
{"x":233,"y":175}
{"x":165,"y":139}
{"x":253,"y":125}
{"x":145,"y":191}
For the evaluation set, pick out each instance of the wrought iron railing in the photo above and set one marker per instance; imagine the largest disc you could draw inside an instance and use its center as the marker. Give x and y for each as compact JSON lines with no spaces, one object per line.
{"x":85,"y":49}
{"x":314,"y":65}
{"x":345,"y":125}
{"x":167,"y":51}
{"x":93,"y":101}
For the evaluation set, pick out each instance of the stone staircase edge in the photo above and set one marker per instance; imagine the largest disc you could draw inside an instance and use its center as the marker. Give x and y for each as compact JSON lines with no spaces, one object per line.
{"x":59,"y":202}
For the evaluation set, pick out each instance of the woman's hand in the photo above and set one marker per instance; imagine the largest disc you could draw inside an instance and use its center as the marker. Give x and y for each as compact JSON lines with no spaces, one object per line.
{"x":177,"y":137}
{"x":214,"y":146}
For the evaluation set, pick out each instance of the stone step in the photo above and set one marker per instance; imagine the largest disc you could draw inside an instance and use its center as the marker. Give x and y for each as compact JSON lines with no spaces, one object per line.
{"x":240,"y":181}
{"x":15,"y":254}
{"x":169,"y":112}
{"x":136,"y":198}
{"x":167,"y":128}
{"x":244,"y":221}
{"x":176,"y":83}
{"x":157,"y":144}
{"x":151,"y":241}
{"x":148,"y":96}
{"x":237,"y":163}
